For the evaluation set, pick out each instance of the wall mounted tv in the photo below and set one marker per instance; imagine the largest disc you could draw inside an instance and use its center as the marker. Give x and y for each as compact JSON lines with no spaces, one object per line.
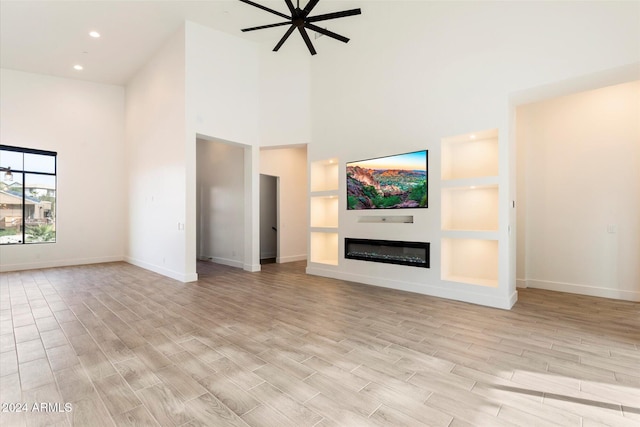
{"x":392,"y":182}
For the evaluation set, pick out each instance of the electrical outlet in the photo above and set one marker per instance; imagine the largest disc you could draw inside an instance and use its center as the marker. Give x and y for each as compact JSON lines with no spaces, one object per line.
{"x":612,"y":228}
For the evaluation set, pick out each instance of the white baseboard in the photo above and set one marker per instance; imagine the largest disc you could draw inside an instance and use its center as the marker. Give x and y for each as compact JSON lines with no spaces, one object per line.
{"x":181,"y":277}
{"x":59,"y":263}
{"x":252,"y":268}
{"x":496,"y":301}
{"x":291,"y":258}
{"x":223,"y":261}
{"x":233,"y":263}
{"x":521,"y":283}
{"x":593,"y":291}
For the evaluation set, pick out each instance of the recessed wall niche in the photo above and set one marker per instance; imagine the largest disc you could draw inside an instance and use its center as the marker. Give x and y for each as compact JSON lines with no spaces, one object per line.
{"x":470,"y":209}
{"x":323,"y":212}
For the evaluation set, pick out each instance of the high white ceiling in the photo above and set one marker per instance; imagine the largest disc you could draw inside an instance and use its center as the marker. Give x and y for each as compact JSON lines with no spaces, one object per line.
{"x":49,"y":37}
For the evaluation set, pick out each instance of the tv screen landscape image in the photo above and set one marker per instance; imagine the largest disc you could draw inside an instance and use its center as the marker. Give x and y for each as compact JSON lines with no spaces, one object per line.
{"x":392,"y":182}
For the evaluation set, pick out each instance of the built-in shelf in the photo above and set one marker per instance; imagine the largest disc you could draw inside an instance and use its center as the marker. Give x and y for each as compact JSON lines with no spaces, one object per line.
{"x":323,"y":212}
{"x":470,"y":234}
{"x":324,"y":175}
{"x":324,"y":247}
{"x":482,"y":181}
{"x":471,"y":261}
{"x":470,"y":209}
{"x":324,"y":229}
{"x":490,"y":283}
{"x":471,"y":155}
{"x":385,"y":219}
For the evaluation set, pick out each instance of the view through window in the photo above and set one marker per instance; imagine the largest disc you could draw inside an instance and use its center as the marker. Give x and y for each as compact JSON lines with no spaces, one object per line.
{"x":27,"y":195}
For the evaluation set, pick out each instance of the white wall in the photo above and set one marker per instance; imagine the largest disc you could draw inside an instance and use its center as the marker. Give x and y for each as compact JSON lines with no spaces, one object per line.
{"x":237,"y":93}
{"x":220,"y":205}
{"x":222,"y":83}
{"x":241,"y":91}
{"x":450,"y":70}
{"x":84,"y":123}
{"x":285,"y":96}
{"x":579,"y":170}
{"x":290,"y":166}
{"x":156,"y":161}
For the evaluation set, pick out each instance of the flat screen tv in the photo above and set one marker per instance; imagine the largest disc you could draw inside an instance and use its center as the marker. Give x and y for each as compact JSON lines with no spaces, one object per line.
{"x":392,"y":182}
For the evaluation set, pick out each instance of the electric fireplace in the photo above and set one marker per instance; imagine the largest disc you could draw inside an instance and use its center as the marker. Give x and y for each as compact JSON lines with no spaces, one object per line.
{"x":415,"y":254}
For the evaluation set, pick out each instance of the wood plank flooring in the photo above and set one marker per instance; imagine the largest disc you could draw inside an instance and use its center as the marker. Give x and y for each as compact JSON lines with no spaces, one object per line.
{"x":127,"y":347}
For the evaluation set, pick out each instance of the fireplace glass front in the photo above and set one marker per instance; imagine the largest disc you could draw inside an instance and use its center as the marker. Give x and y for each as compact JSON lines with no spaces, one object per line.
{"x":414,"y":254}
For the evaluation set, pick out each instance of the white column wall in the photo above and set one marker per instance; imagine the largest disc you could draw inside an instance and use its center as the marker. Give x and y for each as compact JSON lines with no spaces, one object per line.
{"x":239,"y":94}
{"x":156,"y":160}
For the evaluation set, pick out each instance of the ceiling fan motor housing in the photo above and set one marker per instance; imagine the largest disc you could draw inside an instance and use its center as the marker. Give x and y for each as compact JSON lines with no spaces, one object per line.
{"x":301,"y":21}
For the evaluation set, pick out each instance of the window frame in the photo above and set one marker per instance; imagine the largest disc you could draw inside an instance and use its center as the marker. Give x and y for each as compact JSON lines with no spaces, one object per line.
{"x":24,"y":172}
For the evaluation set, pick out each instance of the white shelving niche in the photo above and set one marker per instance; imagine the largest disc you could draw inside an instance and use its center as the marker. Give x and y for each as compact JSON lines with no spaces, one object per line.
{"x":323,"y":212}
{"x":470,"y":209}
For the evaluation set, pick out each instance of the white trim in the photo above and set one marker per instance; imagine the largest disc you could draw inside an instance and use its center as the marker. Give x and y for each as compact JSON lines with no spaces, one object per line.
{"x":521,"y":283}
{"x":181,"y":277}
{"x":291,"y":258}
{"x":223,"y":261}
{"x":575,"y":288}
{"x":59,"y":263}
{"x":496,"y":301}
{"x":252,"y":268}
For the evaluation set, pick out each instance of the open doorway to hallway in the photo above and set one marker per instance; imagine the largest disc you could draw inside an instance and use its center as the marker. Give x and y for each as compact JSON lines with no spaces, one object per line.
{"x":268,"y":219}
{"x":287,"y":165}
{"x":220,"y":202}
{"x":578,"y":190}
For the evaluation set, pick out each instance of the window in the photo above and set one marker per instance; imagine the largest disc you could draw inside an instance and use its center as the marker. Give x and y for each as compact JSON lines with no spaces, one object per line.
{"x":27,"y":195}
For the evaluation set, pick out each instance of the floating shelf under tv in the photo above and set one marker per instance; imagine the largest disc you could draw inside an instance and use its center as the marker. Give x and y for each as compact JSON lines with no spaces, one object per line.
{"x":387,"y":219}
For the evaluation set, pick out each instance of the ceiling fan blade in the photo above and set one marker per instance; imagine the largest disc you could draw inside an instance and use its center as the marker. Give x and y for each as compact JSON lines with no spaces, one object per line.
{"x":326,"y":32}
{"x":307,"y":40}
{"x":259,"y":6}
{"x":309,"y":7}
{"x":290,"y":6}
{"x":265,"y":26}
{"x":284,"y":38}
{"x":333,"y":15}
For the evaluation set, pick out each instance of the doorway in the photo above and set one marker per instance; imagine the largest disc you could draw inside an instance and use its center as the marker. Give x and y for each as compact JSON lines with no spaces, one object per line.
{"x":220,"y":202}
{"x":268,"y":219}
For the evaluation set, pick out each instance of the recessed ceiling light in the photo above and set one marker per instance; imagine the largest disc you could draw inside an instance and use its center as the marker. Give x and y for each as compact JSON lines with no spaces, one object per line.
{"x":78,"y":67}
{"x":472,"y":136}
{"x":94,"y":34}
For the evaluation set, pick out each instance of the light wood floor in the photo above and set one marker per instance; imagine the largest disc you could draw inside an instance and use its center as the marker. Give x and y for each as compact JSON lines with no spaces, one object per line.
{"x":125,"y":346}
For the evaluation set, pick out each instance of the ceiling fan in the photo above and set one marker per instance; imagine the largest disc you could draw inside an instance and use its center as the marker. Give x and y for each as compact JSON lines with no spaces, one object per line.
{"x":301,"y":20}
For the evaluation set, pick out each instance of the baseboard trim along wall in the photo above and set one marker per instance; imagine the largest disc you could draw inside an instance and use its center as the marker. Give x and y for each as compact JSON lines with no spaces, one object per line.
{"x":503,"y":302}
{"x":181,"y":277}
{"x":291,"y":258}
{"x":593,"y":291}
{"x":251,"y":268}
{"x":59,"y":263}
{"x":223,"y":261}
